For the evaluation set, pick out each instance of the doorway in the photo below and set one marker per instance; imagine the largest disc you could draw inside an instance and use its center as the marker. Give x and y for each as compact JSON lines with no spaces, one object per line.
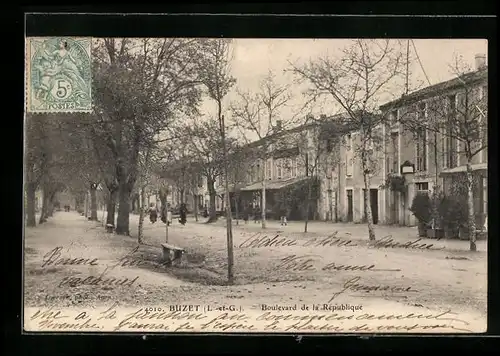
{"x":349,"y":205}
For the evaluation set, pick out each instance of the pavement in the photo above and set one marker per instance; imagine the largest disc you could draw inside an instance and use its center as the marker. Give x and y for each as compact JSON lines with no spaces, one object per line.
{"x":433,"y":280}
{"x":402,"y":234}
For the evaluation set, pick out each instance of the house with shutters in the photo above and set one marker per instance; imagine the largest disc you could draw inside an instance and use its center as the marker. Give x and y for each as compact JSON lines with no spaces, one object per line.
{"x":438,"y":154}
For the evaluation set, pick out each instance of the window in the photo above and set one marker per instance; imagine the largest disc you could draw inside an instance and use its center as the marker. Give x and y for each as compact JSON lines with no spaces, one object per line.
{"x":329,"y":146}
{"x":369,"y":144}
{"x":279,"y":168}
{"x":484,"y":141}
{"x":253,"y":173}
{"x":393,"y":117}
{"x":449,"y":149}
{"x":421,"y":187}
{"x":287,"y":169}
{"x":395,"y":151}
{"x":484,"y":96}
{"x":485,"y":195}
{"x":349,"y":166}
{"x":349,"y":142}
{"x":449,"y":143}
{"x":483,"y":123}
{"x":422,"y":111}
{"x":294,"y":167}
{"x":452,"y":104}
{"x":421,"y":149}
{"x":269,"y":173}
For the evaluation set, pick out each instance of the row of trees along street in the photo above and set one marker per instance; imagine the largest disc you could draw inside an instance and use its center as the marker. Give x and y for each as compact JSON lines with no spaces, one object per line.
{"x":146,"y":132}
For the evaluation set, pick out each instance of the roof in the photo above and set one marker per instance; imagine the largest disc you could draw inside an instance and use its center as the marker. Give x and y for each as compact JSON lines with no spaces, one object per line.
{"x":274,"y":184}
{"x":432,"y":90}
{"x":461,"y":169}
{"x":332,"y":124}
{"x":232,"y":188}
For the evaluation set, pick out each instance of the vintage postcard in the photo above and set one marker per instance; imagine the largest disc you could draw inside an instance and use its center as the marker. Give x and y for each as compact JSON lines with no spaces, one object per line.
{"x":208,"y":185}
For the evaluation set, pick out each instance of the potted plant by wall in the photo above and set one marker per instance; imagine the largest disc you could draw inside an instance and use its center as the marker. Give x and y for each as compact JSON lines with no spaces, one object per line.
{"x":396,"y":183}
{"x":451,"y":211}
{"x":421,"y":208}
{"x":435,"y":230}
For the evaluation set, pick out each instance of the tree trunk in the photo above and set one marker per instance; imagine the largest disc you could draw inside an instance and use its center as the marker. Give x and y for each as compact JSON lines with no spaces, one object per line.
{"x":111,"y":207}
{"x":123,"y":219}
{"x":50,"y":210}
{"x":137,"y":203}
{"x":308,"y":202}
{"x":142,"y":212}
{"x":263,"y":201}
{"x":436,"y":171}
{"x":211,"y":191}
{"x":195,"y":202}
{"x":30,"y":204}
{"x":471,"y":223}
{"x":229,"y":226}
{"x":229,"y":234}
{"x":368,"y":206}
{"x":86,"y":205}
{"x":93,"y":202}
{"x":43,"y":213}
{"x":236,"y":210}
{"x":133,"y":208}
{"x":79,"y":201}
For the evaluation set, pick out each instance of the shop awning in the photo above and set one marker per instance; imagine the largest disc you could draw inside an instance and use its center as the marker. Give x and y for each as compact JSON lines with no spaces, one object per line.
{"x":462,"y":169}
{"x":273,"y":184}
{"x":232,"y":188}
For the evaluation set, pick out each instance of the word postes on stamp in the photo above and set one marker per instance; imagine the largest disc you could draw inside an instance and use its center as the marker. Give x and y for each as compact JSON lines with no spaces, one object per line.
{"x":59,"y":75}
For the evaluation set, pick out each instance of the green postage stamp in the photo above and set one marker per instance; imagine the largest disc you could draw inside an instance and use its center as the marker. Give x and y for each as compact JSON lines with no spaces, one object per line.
{"x":59,"y":74}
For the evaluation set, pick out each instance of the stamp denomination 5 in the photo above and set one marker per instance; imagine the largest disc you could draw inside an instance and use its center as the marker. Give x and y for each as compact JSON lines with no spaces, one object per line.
{"x":59,"y":74}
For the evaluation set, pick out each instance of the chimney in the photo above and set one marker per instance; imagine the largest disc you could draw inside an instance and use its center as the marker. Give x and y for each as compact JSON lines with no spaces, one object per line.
{"x":480,"y":60}
{"x":278,"y":124}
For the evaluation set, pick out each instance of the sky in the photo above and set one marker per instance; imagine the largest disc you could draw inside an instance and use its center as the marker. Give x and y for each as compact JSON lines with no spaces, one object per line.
{"x":253,"y":58}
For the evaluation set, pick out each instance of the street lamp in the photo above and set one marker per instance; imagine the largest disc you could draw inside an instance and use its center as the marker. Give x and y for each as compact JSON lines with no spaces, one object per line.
{"x":407,"y":170}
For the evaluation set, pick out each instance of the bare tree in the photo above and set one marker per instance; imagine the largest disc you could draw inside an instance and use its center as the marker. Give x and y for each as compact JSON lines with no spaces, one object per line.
{"x":36,"y":161}
{"x":238,"y":172}
{"x":216,"y":77}
{"x":144,"y":181}
{"x":140,"y":84}
{"x":357,"y":82}
{"x":259,"y":116}
{"x":56,"y":160}
{"x":207,"y":153}
{"x":319,"y":154}
{"x":461,"y":119}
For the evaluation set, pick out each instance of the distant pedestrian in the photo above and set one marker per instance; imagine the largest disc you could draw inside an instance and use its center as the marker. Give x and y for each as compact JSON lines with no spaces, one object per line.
{"x":166,"y":214}
{"x":246,"y":213}
{"x":153,"y":213}
{"x":256,"y":214}
{"x":283,"y":213}
{"x":183,"y":214}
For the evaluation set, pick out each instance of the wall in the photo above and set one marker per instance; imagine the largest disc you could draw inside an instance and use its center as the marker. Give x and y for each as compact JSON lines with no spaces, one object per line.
{"x":407,"y":149}
{"x":350,"y":176}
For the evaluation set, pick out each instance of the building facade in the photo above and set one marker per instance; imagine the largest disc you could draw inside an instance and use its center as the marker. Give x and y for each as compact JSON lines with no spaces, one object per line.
{"x":332,"y":157}
{"x":351,"y":186}
{"x":437,"y":154}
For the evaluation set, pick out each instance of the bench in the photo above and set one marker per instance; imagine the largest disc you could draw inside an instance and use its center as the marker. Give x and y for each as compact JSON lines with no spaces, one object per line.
{"x":109,"y":227}
{"x":177,"y":252}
